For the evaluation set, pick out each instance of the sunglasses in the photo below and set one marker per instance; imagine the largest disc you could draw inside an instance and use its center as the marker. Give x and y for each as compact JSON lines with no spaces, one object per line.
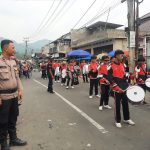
{"x":106,"y":60}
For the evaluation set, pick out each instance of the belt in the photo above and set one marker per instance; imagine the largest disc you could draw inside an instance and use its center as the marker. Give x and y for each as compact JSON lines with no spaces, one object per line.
{"x":8,"y":91}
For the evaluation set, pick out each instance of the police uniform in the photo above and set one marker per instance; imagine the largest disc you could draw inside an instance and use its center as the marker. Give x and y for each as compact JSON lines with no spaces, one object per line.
{"x":10,"y":84}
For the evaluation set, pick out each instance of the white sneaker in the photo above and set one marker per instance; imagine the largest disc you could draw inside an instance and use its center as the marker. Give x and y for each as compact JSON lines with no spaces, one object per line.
{"x":61,"y":84}
{"x":72,"y":87}
{"x":130,"y":122}
{"x":90,"y":96}
{"x":67,"y":87}
{"x":107,"y":106}
{"x":97,"y":96}
{"x":100,"y":108}
{"x":118,"y":125}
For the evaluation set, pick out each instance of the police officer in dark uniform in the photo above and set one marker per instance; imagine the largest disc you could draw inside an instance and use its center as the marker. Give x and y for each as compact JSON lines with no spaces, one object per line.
{"x":50,"y":74}
{"x":10,"y":93}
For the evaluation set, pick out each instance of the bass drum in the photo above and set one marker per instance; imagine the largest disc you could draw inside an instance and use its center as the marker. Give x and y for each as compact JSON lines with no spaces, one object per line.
{"x":147,"y":82}
{"x":135,"y":93}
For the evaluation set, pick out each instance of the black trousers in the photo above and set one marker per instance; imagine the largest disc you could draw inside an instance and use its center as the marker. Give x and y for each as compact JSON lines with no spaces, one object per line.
{"x":85,"y":77}
{"x":63,"y":80}
{"x":104,"y":94}
{"x":143,"y":86}
{"x":9,"y":112}
{"x":121,"y":98}
{"x":50,"y":84}
{"x":56,"y":78}
{"x":44,"y":74}
{"x":68,"y":81}
{"x":93,"y":83}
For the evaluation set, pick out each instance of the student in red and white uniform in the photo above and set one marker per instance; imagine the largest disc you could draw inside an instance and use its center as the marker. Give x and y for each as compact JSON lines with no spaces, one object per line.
{"x":70,"y":71}
{"x":104,"y":83}
{"x":119,"y":84}
{"x":93,"y":72}
{"x":63,"y":69}
{"x":141,"y":74}
{"x":57,"y":71}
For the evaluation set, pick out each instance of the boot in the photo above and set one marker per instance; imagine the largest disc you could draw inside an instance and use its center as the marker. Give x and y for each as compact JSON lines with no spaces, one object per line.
{"x":14,"y":140}
{"x":5,"y":146}
{"x":17,"y":142}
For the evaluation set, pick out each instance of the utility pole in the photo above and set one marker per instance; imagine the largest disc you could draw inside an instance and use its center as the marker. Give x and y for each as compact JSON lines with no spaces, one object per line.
{"x":137,"y":28}
{"x":26,"y":40}
{"x":131,"y":33}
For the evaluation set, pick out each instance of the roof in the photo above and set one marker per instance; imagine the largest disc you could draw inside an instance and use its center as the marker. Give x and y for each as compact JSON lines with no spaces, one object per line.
{"x":145,"y":16}
{"x":145,"y":22}
{"x":103,"y":24}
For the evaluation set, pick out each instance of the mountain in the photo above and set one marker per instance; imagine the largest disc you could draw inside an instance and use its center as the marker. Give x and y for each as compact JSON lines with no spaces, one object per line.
{"x":34,"y":46}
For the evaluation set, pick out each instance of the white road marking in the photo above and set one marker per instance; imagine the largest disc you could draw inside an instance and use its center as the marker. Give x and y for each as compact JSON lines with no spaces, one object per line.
{"x":98,"y":126}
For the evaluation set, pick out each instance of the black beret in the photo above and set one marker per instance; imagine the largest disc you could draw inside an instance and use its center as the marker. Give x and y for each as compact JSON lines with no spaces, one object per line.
{"x":118,"y":52}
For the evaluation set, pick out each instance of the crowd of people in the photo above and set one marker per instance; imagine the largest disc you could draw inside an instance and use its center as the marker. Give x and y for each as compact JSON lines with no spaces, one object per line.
{"x":110,"y":75}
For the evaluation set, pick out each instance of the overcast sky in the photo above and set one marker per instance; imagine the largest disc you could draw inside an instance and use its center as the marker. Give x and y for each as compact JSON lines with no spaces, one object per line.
{"x":21,"y":18}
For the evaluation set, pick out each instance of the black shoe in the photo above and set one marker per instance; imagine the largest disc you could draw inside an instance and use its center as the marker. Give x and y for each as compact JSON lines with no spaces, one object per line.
{"x":52,"y":92}
{"x":17,"y":142}
{"x":144,"y":102}
{"x":5,"y":146}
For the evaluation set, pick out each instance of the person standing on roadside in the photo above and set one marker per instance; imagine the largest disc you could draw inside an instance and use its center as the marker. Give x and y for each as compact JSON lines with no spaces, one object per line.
{"x":50,"y":76}
{"x":11,"y":91}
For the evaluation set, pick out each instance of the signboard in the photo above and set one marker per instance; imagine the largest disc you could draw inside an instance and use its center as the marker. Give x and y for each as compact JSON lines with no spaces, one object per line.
{"x":132,"y":38}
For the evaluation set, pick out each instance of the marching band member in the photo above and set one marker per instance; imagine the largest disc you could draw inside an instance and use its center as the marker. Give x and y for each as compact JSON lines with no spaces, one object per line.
{"x":141,"y":74}
{"x":104,"y":83}
{"x":85,"y":72}
{"x":116,"y":76}
{"x":63,"y":69}
{"x":93,"y":72}
{"x":70,"y":71}
{"x":57,"y":71}
{"x":43,"y":69}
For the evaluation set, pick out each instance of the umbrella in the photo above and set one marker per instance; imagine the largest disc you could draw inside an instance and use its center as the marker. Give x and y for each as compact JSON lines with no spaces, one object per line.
{"x":79,"y":53}
{"x":112,"y":53}
{"x":99,"y":56}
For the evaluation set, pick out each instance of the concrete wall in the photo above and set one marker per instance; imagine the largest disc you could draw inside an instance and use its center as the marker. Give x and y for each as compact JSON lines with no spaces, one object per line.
{"x":120,"y":44}
{"x":83,"y":36}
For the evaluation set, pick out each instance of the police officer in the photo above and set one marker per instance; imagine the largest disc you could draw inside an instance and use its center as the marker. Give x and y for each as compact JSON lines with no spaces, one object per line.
{"x":10,"y":93}
{"x":116,"y":76}
{"x":50,"y":74}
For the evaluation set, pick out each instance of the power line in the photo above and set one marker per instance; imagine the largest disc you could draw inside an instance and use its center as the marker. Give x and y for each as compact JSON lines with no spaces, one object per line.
{"x":69,"y":7}
{"x":104,"y":11}
{"x":85,"y":13}
{"x":50,"y":16}
{"x":65,"y":4}
{"x":62,"y":8}
{"x":45,"y":17}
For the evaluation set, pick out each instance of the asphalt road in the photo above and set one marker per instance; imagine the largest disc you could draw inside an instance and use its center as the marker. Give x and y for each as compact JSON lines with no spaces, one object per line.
{"x":69,"y":120}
